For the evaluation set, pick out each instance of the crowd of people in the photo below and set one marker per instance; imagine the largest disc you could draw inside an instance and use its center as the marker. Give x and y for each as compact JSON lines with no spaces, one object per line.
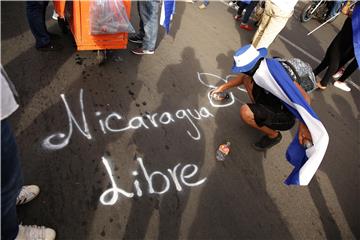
{"x":268,"y":111}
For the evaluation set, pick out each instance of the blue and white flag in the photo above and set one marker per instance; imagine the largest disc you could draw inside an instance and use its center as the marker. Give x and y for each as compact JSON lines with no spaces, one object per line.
{"x":356,"y":31}
{"x":273,"y":77}
{"x":167,"y":13}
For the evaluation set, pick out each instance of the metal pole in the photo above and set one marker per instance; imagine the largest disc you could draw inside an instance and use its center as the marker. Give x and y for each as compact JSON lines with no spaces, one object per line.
{"x":328,"y":20}
{"x":324,"y":23}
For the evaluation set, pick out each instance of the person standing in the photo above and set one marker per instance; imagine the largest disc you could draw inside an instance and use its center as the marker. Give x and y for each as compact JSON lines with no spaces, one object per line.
{"x":274,"y":19}
{"x":147,"y":35}
{"x":340,"y":50}
{"x":12,"y":191}
{"x":35,"y":12}
{"x":249,"y":7}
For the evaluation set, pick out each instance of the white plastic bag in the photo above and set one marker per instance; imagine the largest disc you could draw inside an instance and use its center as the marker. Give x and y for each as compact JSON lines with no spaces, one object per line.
{"x":109,"y":17}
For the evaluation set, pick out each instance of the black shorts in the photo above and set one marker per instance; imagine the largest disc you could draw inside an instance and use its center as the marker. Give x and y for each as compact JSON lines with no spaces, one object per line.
{"x":264,"y":116}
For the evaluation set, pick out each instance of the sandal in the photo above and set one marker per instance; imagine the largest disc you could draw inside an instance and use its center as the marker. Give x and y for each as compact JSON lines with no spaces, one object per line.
{"x":219,"y":96}
{"x":320,"y":86}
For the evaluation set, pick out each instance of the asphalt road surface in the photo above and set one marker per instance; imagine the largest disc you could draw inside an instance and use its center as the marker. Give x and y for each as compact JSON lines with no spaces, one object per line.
{"x":127,"y":150}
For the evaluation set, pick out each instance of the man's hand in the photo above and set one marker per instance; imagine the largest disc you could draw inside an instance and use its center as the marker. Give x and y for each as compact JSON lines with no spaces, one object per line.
{"x":304,"y":134}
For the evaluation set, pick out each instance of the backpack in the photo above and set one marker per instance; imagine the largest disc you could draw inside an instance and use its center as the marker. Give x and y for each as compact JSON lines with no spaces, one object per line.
{"x":301,"y":72}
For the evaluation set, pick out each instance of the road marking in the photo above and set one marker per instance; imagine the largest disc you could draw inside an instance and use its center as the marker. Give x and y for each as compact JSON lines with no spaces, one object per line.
{"x":299,"y":49}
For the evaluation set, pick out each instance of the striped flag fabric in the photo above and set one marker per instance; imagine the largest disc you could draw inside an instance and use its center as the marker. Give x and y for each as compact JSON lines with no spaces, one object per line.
{"x":273,"y":77}
{"x":167,"y":13}
{"x":356,"y":31}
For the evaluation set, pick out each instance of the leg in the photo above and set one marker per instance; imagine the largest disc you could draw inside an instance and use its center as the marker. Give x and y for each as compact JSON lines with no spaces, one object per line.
{"x":331,"y":70}
{"x":324,"y":63}
{"x":334,"y":8}
{"x":265,"y":19}
{"x":149,"y":15}
{"x":349,"y":70}
{"x":248,"y":10}
{"x":141,"y":33}
{"x":241,"y":8}
{"x":272,"y":29}
{"x":35,"y":14}
{"x":249,"y":118}
{"x":11,"y":182}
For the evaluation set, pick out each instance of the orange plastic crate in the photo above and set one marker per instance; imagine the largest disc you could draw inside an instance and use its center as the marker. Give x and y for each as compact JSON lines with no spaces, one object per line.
{"x":79,"y":23}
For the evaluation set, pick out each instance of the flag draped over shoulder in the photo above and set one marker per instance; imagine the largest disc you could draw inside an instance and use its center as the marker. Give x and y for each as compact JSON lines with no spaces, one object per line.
{"x":167,"y":12}
{"x":273,"y":77}
{"x":356,"y":31}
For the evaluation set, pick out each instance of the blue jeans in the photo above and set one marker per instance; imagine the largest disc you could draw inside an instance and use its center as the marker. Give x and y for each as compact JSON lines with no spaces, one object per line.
{"x":35,"y":12}
{"x":248,"y":10}
{"x":335,"y":8}
{"x":11,"y":182}
{"x":206,"y":2}
{"x":149,"y":15}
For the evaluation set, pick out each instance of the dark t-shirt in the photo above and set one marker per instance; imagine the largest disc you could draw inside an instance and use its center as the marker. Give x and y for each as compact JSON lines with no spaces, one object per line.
{"x":261,"y":96}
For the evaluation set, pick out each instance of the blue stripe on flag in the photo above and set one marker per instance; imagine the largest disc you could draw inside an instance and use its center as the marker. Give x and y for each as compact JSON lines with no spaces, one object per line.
{"x":356,"y":31}
{"x":285,"y":82}
{"x":295,"y":153}
{"x":169,"y":9}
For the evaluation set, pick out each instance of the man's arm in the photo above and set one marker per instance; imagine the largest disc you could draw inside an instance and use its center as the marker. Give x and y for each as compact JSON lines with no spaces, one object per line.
{"x":235,"y":82}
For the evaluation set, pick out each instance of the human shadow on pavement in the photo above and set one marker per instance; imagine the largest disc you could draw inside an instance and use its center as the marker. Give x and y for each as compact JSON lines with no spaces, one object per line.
{"x":235,"y":203}
{"x":339,"y":159}
{"x":73,"y":178}
{"x":160,"y":216}
{"x":327,"y":114}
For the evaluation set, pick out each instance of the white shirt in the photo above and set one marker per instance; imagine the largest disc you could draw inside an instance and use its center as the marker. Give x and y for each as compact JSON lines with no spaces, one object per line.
{"x":8,"y":102}
{"x":285,"y":5}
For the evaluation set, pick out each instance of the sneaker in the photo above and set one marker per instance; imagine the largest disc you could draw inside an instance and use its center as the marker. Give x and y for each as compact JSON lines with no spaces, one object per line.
{"x":202,"y":6}
{"x":135,"y":39}
{"x":246,"y":27}
{"x":140,"y":51}
{"x":55,"y":16}
{"x":50,"y":47}
{"x":237,"y":17}
{"x":319,"y":86}
{"x":339,"y":73}
{"x":232,"y":4}
{"x":27,"y":194}
{"x":265,"y":142}
{"x":35,"y":232}
{"x":342,"y":85}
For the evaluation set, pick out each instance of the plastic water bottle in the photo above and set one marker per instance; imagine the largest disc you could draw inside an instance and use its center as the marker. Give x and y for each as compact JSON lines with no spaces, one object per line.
{"x":223,"y":151}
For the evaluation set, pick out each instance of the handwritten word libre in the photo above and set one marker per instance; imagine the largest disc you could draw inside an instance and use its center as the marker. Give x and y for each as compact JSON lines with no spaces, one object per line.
{"x":184,"y":176}
{"x":60,"y":140}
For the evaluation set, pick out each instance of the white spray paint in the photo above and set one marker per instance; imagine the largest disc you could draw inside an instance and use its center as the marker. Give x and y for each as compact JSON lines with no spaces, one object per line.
{"x":60,"y":140}
{"x":232,"y":97}
{"x":61,"y":137}
{"x":116,"y":191}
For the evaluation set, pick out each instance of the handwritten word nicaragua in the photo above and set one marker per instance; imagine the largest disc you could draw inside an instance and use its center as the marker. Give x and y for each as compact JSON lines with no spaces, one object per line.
{"x":60,"y":140}
{"x":184,"y":176}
